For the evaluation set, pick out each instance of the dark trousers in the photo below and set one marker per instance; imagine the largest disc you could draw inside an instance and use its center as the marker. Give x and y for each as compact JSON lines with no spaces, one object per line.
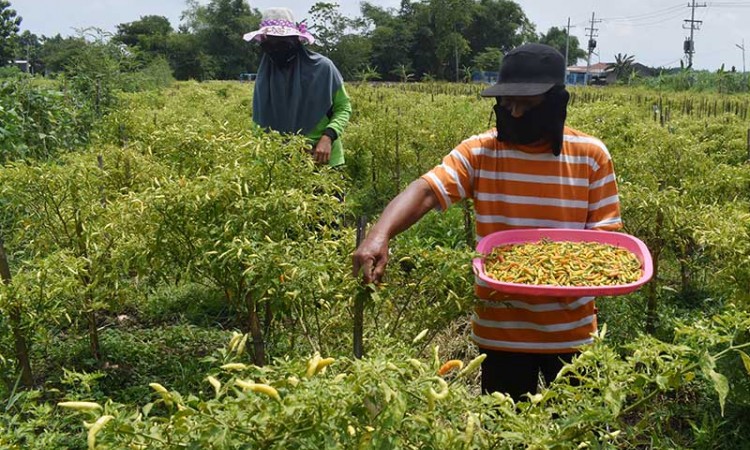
{"x":517,"y":374}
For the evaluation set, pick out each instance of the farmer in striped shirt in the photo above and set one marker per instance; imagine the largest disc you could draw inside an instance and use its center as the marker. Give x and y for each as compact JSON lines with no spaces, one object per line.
{"x":531,"y":171}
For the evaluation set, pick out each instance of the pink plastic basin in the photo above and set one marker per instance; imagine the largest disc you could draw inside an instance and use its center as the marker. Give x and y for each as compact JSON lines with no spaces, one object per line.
{"x":626,"y":241}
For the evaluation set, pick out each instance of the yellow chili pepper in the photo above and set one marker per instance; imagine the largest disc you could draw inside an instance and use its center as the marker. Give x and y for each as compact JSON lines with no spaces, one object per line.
{"x":98,"y":425}
{"x":80,"y":406}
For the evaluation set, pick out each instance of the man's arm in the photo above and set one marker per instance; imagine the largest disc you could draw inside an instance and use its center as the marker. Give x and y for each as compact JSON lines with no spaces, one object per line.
{"x":402,"y":212}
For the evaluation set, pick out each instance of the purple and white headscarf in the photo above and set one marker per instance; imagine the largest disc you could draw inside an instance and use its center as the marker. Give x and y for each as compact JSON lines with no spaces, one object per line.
{"x":280,"y":22}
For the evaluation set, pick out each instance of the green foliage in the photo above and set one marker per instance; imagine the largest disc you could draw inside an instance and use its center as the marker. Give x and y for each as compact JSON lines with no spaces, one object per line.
{"x":28,"y":47}
{"x":489,"y":59}
{"x":558,"y":38}
{"x":218,"y":28}
{"x":389,"y":49}
{"x":622,"y":67}
{"x":9,"y":22}
{"x":498,"y":23}
{"x":196,"y":223}
{"x":29,"y":422}
{"x":339,"y":37}
{"x":37,"y":122}
{"x":10,"y":72}
{"x":94,"y":73}
{"x":366,"y":74}
{"x":174,"y":354}
{"x":394,"y":400}
{"x":687,"y":79}
{"x":156,"y":74}
{"x":404,"y":74}
{"x":148,"y":33}
{"x":59,"y":52}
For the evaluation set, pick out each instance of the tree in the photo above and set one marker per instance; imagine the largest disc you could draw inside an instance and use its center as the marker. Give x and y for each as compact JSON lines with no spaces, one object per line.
{"x":438,"y":37}
{"x":488,"y":60}
{"x":390,"y":40}
{"x":188,"y":58}
{"x":9,"y":26}
{"x":132,"y":33}
{"x":556,"y":38}
{"x":390,"y":49}
{"x":451,"y":17}
{"x":500,"y":24}
{"x":58,"y":52}
{"x":328,"y":25}
{"x":622,"y":65}
{"x":352,"y":53}
{"x":340,"y":38}
{"x":29,"y":47}
{"x":219,"y":27}
{"x":149,"y":33}
{"x":423,"y":43}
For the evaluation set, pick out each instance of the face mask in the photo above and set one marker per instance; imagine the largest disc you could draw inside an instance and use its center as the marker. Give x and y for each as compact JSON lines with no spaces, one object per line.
{"x":526,"y":129}
{"x":543,"y":122}
{"x":282,"y":55}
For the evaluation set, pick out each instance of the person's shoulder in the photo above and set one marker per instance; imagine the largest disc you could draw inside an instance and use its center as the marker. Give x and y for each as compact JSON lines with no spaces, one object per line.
{"x":581,"y":142}
{"x":321,"y":59}
{"x":488,"y":139}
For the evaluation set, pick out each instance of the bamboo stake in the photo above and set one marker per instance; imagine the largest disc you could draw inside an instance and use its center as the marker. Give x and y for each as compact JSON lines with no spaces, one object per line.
{"x":359,"y":299}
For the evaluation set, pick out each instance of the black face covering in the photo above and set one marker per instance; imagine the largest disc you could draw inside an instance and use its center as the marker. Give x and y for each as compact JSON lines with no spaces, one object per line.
{"x":282,"y":53}
{"x":543,"y":122}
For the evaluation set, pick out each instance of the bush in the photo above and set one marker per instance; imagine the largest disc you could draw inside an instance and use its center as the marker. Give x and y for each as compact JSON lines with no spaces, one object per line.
{"x":155,"y":75}
{"x":38,"y":122}
{"x":10,"y":72}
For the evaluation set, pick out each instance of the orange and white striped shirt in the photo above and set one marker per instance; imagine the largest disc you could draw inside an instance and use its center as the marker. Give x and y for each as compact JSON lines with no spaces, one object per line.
{"x":526,"y":186}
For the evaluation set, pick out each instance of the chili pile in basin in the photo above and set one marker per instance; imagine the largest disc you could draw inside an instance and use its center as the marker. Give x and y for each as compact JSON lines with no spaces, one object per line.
{"x":561,"y":263}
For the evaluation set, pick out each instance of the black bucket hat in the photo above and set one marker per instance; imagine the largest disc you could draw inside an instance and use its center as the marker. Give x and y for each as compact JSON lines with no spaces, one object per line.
{"x":531,"y":69}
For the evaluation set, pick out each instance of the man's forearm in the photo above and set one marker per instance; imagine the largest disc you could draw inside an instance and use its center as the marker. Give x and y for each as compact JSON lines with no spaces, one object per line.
{"x":406,"y":209}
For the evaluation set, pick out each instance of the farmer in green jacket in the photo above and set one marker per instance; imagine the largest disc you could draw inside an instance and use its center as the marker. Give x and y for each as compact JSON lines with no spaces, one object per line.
{"x":297,"y":90}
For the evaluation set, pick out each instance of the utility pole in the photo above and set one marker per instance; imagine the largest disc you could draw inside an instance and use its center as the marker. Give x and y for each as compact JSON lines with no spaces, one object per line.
{"x":592,"y":46}
{"x":692,"y":24}
{"x":742,"y":47}
{"x":567,"y":46}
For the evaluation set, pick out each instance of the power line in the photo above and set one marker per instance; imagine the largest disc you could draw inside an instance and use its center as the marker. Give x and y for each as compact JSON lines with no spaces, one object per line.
{"x":669,"y":63}
{"x":647,"y":15}
{"x":651,"y":23}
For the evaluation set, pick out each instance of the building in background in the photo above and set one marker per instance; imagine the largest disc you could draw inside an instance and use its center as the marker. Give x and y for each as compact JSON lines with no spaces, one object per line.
{"x":22,"y":64}
{"x":599,"y":73}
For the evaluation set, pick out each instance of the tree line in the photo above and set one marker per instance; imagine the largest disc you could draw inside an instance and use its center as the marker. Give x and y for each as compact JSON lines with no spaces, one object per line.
{"x":425,"y":39}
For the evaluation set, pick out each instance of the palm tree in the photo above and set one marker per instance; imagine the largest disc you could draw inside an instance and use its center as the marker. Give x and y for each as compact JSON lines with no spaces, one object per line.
{"x":622,"y":65}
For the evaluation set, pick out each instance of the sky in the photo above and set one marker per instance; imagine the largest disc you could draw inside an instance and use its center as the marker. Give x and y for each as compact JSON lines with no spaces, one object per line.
{"x":650,"y":30}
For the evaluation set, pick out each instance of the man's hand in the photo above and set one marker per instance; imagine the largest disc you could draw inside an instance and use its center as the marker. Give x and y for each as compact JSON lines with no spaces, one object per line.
{"x":322,"y":151}
{"x":402,"y":212}
{"x":371,"y":258}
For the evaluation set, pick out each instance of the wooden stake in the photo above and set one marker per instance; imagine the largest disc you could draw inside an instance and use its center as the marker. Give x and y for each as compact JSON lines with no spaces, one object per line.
{"x":359,"y":299}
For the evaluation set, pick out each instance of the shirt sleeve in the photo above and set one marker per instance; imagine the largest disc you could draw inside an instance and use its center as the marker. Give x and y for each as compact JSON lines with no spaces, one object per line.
{"x":604,"y":201}
{"x":342,"y":110}
{"x":452,"y":181}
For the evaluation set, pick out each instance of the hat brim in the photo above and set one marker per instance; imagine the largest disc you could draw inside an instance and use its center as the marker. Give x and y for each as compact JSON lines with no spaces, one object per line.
{"x":517,"y":89}
{"x":278,"y":31}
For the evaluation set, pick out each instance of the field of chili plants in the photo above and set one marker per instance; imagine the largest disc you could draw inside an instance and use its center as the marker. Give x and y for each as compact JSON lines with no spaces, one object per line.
{"x":182,"y":280}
